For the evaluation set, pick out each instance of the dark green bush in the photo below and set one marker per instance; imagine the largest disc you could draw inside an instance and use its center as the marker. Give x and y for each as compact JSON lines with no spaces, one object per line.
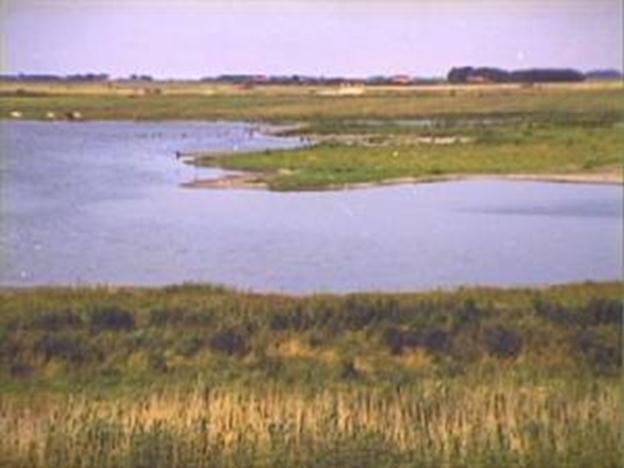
{"x":502,"y":342}
{"x":469,"y":314}
{"x":433,"y":339}
{"x":297,"y":319}
{"x":393,"y":339}
{"x":279,"y":321}
{"x":602,"y":357}
{"x":54,"y":320}
{"x":161,"y":317}
{"x":230,"y":341}
{"x":552,"y":312}
{"x":598,"y":311}
{"x":110,"y":318}
{"x":20,"y":370}
{"x":69,"y":348}
{"x":436,"y":340}
{"x":601,"y":311}
{"x":361,"y":313}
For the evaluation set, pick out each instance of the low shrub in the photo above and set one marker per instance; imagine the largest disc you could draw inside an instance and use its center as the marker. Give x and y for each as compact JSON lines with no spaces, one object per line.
{"x":433,"y":339}
{"x":469,"y":314}
{"x":55,"y":320}
{"x":69,"y":348}
{"x":230,"y":341}
{"x":20,"y":370}
{"x":110,"y":318}
{"x":600,"y":311}
{"x":161,"y":317}
{"x":360,"y":313}
{"x":436,"y":340}
{"x":502,"y":342}
{"x":393,"y":339}
{"x":602,"y":357}
{"x":297,"y":319}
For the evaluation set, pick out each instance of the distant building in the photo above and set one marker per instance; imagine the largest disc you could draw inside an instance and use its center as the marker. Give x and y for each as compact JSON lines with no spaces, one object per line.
{"x":400,"y":79}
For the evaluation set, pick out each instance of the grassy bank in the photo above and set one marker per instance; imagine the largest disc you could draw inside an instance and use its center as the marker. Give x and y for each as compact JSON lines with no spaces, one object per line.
{"x":203,"y":376}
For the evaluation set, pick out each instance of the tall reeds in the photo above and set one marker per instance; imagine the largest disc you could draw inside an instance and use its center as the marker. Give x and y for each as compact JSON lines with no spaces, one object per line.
{"x":439,"y":423}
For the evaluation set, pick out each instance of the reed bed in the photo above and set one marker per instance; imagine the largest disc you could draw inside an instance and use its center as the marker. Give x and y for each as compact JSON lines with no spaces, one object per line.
{"x":439,"y":423}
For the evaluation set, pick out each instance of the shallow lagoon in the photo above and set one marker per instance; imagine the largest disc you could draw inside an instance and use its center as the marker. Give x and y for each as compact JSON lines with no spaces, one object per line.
{"x":102,"y":203}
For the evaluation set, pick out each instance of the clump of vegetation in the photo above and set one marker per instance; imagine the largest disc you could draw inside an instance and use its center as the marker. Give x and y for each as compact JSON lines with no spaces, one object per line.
{"x":110,"y":318}
{"x":231,"y":342}
{"x":63,"y":346}
{"x":502,"y":342}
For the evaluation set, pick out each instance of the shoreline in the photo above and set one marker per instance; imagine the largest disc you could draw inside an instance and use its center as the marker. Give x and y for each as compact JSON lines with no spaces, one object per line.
{"x":252,"y":180}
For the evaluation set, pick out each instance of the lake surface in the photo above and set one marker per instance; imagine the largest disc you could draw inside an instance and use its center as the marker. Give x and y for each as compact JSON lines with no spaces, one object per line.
{"x":102,"y":203}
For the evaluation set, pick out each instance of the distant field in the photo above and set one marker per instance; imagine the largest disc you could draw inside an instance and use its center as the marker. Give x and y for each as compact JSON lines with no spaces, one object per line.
{"x":286,"y":103}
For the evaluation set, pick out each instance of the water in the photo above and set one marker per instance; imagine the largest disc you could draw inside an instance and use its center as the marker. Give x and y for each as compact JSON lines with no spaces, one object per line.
{"x":102,"y":203}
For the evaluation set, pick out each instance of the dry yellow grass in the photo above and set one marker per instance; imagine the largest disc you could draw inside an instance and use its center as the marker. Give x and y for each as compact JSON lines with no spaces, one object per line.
{"x":442,"y":419}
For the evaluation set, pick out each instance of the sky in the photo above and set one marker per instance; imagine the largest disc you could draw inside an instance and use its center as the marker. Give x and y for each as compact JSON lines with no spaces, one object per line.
{"x":192,"y":39}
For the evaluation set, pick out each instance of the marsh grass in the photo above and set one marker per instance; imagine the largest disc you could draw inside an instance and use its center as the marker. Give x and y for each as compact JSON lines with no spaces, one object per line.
{"x":205,"y":376}
{"x":439,"y":423}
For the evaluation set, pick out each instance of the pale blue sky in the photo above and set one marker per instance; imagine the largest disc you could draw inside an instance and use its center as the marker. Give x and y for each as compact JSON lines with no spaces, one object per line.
{"x":352,"y":38}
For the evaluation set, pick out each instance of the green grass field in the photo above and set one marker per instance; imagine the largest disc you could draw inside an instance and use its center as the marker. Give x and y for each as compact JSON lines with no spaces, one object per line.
{"x":301,"y":103}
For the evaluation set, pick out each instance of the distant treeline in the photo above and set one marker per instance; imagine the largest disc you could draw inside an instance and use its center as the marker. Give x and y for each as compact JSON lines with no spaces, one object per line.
{"x":455,"y":75}
{"x":319,"y":80}
{"x":78,"y":77}
{"x":533,"y":75}
{"x":50,"y":77}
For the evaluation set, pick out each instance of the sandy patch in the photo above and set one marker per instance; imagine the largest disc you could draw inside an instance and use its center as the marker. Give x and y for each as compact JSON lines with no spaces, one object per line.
{"x":238,"y":181}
